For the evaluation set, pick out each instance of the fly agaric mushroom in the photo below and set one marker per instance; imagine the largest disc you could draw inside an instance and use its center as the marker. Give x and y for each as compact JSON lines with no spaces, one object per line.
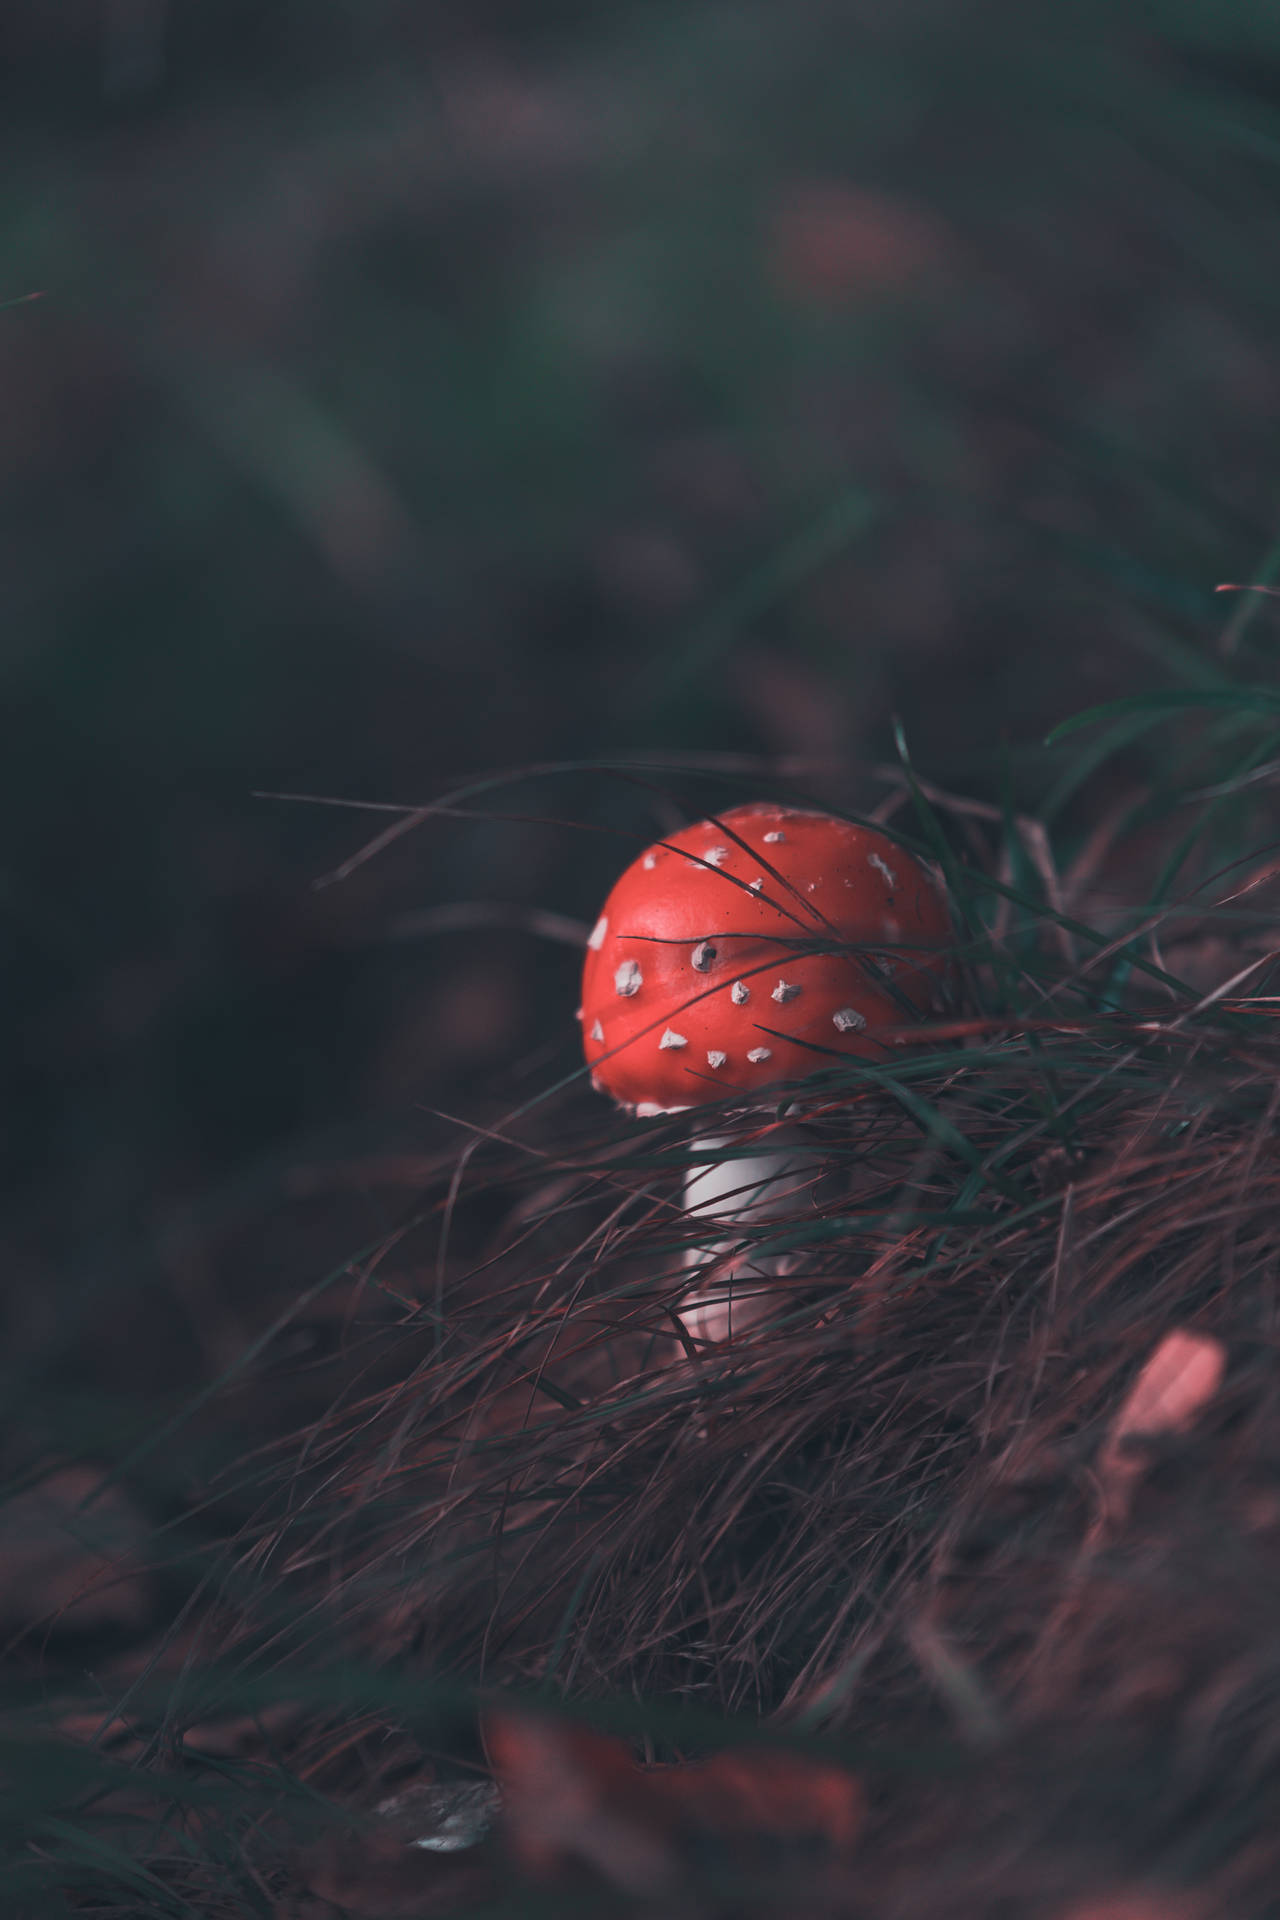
{"x":746,"y":950}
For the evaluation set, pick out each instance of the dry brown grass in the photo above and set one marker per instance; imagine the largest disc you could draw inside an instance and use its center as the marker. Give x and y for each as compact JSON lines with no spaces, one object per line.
{"x":983,"y":1513}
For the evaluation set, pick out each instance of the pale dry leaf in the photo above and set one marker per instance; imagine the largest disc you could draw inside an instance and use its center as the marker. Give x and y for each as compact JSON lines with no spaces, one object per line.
{"x":1178,"y":1381}
{"x":1168,"y":1396}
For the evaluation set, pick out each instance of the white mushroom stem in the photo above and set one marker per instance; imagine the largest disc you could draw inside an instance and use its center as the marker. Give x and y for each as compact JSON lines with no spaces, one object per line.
{"x":747,"y":1190}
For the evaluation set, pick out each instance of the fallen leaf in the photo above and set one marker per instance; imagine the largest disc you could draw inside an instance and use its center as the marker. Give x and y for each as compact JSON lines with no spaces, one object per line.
{"x":571,"y":1795}
{"x":1174,"y":1387}
{"x":779,"y":1795}
{"x":1178,"y":1381}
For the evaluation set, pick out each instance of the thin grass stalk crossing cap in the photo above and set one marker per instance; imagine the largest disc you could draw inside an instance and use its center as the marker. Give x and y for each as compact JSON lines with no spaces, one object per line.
{"x":756,"y":947}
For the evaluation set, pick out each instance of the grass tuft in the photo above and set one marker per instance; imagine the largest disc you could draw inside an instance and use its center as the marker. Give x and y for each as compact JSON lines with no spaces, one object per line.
{"x":879,"y":1527}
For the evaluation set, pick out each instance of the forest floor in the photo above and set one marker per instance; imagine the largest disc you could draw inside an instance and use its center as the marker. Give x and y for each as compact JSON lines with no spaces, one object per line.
{"x":581,"y":418}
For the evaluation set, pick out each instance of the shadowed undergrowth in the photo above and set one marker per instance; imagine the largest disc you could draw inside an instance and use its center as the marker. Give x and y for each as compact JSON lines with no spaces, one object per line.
{"x":894,"y":1518}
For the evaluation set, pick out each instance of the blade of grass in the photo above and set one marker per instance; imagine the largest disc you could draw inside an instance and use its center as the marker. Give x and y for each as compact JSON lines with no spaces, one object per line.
{"x":1154,"y":707}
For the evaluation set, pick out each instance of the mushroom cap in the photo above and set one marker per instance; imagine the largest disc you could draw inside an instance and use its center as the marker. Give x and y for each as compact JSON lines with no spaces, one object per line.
{"x":753,"y":948}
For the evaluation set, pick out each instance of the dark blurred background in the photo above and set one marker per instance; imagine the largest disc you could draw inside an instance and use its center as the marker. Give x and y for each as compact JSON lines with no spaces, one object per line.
{"x":421,"y":389}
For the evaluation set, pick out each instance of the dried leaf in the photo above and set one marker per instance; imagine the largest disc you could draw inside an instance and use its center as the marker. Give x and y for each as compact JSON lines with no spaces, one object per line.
{"x":573,"y":1795}
{"x":1174,"y":1387}
{"x":1178,"y":1381}
{"x":779,"y":1795}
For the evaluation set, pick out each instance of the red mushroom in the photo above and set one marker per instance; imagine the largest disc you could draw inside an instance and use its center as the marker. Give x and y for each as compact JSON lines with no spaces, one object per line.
{"x":751,"y":949}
